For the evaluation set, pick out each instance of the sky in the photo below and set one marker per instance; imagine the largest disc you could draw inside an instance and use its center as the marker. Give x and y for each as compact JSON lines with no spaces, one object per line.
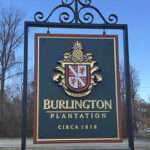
{"x":135,"y":13}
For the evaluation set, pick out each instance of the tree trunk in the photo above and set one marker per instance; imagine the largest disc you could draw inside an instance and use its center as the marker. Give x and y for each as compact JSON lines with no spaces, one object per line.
{"x":2,"y":104}
{"x":2,"y":93}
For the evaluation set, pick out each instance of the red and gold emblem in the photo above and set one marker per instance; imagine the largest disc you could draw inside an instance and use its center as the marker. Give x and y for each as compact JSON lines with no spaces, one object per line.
{"x":77,"y":73}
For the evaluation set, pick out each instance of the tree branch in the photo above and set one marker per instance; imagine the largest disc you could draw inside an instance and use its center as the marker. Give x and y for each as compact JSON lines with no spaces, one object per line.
{"x":14,"y":75}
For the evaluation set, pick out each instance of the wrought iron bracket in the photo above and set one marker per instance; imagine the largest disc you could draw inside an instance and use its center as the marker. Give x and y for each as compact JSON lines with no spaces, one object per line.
{"x":76,"y":11}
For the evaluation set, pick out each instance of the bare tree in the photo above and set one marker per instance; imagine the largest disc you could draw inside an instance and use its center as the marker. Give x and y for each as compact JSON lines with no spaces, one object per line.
{"x":134,"y":83}
{"x":10,"y":40}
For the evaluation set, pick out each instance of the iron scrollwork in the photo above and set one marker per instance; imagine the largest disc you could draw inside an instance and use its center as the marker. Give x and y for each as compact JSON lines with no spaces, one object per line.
{"x":76,"y":11}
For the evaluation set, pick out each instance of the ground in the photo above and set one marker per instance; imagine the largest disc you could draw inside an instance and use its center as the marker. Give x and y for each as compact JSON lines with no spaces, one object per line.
{"x":48,"y":149}
{"x":14,"y":144}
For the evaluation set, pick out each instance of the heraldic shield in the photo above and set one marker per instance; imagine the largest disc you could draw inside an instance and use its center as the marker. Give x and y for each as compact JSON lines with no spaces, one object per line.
{"x":77,"y":73}
{"x":77,"y":76}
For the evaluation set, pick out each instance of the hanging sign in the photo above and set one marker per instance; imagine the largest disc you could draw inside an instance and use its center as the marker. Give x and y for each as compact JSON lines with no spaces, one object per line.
{"x":77,"y":89}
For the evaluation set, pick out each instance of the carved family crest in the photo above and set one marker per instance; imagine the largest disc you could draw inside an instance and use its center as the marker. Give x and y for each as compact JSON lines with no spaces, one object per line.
{"x":77,"y":73}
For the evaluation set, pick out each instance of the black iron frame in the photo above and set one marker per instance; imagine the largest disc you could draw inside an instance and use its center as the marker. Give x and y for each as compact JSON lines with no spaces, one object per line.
{"x":86,"y":22}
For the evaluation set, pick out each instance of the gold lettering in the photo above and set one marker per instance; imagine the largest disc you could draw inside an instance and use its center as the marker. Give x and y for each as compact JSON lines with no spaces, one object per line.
{"x":46,"y":104}
{"x":59,"y":127}
{"x":98,"y":105}
{"x":108,"y":104}
{"x":62,"y":104}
